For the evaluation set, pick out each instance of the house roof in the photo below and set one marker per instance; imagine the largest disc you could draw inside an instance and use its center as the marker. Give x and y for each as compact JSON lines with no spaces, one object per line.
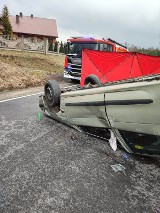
{"x":34,"y":25}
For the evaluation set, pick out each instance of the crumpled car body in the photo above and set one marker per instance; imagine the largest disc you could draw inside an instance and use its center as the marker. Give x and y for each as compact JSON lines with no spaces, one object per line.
{"x":131,"y":109}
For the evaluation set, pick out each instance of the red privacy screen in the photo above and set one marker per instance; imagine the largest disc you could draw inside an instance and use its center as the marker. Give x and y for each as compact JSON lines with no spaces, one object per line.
{"x":114,"y":66}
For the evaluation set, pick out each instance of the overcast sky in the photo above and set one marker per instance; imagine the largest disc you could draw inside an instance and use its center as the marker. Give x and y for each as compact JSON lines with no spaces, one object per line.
{"x":133,"y":21}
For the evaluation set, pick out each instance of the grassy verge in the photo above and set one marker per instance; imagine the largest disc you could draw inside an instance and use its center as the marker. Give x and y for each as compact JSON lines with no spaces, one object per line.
{"x":22,"y":69}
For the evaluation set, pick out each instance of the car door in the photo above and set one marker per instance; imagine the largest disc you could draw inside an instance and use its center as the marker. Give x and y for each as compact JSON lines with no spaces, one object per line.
{"x":85,"y":108}
{"x":134,"y":107}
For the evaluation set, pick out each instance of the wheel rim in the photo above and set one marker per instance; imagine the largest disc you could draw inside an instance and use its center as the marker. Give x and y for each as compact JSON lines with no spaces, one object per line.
{"x":49,"y":94}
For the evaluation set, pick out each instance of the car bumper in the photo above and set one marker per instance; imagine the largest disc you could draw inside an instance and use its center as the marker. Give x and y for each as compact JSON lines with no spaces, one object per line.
{"x":67,"y":75}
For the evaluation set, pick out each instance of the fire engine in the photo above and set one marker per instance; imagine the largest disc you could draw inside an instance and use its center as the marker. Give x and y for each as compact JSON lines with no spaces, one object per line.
{"x":74,"y":47}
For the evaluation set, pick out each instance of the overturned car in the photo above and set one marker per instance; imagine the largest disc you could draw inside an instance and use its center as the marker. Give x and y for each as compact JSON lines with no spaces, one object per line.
{"x":130,"y":108}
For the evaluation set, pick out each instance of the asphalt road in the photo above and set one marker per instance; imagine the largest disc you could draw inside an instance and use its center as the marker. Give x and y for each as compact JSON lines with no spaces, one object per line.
{"x":46,"y":166}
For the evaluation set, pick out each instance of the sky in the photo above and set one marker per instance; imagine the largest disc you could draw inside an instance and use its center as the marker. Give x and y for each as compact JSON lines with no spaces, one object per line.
{"x":131,"y":22}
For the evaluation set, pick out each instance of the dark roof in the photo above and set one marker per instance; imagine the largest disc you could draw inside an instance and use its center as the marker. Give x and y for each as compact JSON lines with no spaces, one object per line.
{"x":34,"y":25}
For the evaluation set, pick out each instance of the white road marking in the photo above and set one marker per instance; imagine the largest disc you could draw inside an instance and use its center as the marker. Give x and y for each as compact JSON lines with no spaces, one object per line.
{"x":12,"y":99}
{"x":40,"y":93}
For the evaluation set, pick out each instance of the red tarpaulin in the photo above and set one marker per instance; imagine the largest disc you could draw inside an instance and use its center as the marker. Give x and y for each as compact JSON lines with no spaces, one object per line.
{"x":114,"y":66}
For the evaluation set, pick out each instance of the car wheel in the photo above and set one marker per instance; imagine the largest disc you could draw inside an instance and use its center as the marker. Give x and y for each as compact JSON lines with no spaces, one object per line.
{"x":52,"y":93}
{"x":93,"y":80}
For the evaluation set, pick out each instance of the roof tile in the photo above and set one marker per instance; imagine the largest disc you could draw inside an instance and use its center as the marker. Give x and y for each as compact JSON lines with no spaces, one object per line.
{"x":35,"y":25}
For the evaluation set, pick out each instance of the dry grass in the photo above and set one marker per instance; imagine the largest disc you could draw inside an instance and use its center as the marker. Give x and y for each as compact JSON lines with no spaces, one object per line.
{"x":22,"y":69}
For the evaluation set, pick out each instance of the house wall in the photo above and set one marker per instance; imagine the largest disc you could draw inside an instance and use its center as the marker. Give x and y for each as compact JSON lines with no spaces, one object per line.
{"x":33,"y":38}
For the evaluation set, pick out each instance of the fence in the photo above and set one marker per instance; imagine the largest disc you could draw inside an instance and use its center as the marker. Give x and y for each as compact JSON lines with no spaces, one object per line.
{"x":24,"y":44}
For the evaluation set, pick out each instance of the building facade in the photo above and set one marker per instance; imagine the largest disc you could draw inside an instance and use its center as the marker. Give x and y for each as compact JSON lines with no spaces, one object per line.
{"x":33,"y":29}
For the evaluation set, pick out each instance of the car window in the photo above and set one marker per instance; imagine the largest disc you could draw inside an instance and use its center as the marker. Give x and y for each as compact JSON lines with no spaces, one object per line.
{"x":142,"y":143}
{"x":105,"y":47}
{"x":78,"y":47}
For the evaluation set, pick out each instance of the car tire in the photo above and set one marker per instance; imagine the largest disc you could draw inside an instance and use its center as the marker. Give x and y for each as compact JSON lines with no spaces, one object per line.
{"x":93,"y":80}
{"x":52,"y":93}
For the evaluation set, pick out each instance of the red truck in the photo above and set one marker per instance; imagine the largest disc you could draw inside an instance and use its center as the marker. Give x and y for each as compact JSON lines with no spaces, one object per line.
{"x":74,"y":47}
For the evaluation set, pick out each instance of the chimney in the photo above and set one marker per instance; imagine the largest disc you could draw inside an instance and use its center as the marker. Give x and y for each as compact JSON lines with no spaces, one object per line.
{"x":31,"y":15}
{"x":21,"y":14}
{"x":17,"y":19}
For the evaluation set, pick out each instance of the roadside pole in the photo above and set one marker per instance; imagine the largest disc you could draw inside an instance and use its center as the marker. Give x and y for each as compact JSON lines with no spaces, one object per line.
{"x":45,"y":46}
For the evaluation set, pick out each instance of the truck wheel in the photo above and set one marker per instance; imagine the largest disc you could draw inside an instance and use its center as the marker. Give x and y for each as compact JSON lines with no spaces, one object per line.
{"x":52,"y":93}
{"x":93,"y":80}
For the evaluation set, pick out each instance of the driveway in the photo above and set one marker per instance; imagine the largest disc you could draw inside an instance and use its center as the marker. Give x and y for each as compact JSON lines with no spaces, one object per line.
{"x":47,"y":167}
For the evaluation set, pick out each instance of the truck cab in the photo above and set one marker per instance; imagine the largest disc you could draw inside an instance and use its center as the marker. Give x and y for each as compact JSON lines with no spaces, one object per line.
{"x":74,"y":47}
